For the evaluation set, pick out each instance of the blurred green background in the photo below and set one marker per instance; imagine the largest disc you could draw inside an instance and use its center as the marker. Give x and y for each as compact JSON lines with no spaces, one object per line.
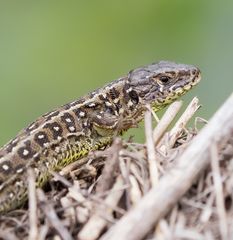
{"x":52,"y":52}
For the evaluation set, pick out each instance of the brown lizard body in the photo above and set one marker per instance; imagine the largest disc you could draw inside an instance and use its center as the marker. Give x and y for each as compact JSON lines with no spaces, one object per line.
{"x":90,"y":123}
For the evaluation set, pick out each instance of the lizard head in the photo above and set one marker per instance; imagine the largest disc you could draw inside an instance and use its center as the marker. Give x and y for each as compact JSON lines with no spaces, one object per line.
{"x":161,"y":83}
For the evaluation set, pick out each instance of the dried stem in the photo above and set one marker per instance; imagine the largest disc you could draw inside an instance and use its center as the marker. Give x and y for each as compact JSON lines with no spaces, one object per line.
{"x":52,"y":217}
{"x":151,"y":149}
{"x":98,"y":221}
{"x":180,"y":124}
{"x":219,"y":192}
{"x":166,"y":120}
{"x":33,"y":234}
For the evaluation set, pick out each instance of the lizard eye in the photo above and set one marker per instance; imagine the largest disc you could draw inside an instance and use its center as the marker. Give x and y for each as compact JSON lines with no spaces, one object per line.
{"x":164,"y":79}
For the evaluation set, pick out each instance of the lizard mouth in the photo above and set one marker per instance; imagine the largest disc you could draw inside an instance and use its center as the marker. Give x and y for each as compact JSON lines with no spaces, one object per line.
{"x":186,"y":85}
{"x":177,"y":90}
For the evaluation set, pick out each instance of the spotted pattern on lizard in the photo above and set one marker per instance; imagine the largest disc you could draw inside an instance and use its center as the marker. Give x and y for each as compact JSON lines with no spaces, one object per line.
{"x":89,"y":123}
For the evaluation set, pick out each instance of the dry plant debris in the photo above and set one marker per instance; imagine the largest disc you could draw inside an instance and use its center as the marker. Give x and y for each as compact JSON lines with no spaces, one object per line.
{"x":103,"y":194}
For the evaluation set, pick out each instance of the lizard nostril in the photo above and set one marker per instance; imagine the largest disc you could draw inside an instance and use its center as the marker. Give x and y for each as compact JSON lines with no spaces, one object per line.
{"x":195,"y":72}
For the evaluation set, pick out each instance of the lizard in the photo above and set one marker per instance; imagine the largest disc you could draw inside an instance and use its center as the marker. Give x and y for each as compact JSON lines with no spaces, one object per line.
{"x":71,"y":131}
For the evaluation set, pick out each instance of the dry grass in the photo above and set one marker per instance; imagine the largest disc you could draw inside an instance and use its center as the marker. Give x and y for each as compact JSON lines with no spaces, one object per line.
{"x":89,"y":199}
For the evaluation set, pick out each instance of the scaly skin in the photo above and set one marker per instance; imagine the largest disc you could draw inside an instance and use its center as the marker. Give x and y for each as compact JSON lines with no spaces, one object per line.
{"x":90,"y":123}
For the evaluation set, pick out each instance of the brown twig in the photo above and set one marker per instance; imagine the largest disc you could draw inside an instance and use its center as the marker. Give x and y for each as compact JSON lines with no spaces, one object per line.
{"x":153,"y":170}
{"x":52,"y":217}
{"x":97,"y":222}
{"x":110,"y":168}
{"x":180,"y":124}
{"x":33,"y":233}
{"x":219,"y":192}
{"x":166,"y":120}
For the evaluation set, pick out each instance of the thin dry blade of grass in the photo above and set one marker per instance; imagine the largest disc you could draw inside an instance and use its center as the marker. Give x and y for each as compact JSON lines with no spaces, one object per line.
{"x":164,"y":123}
{"x":219,"y":192}
{"x":99,"y":220}
{"x":52,"y":217}
{"x":153,"y":170}
{"x":33,"y":218}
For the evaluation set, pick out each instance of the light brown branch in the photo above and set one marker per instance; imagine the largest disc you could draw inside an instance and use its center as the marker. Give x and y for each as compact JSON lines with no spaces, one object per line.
{"x":52,"y":216}
{"x":33,"y":234}
{"x":166,"y":120}
{"x":181,"y":123}
{"x":110,"y":168}
{"x":97,"y":222}
{"x":151,"y":149}
{"x":219,"y":192}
